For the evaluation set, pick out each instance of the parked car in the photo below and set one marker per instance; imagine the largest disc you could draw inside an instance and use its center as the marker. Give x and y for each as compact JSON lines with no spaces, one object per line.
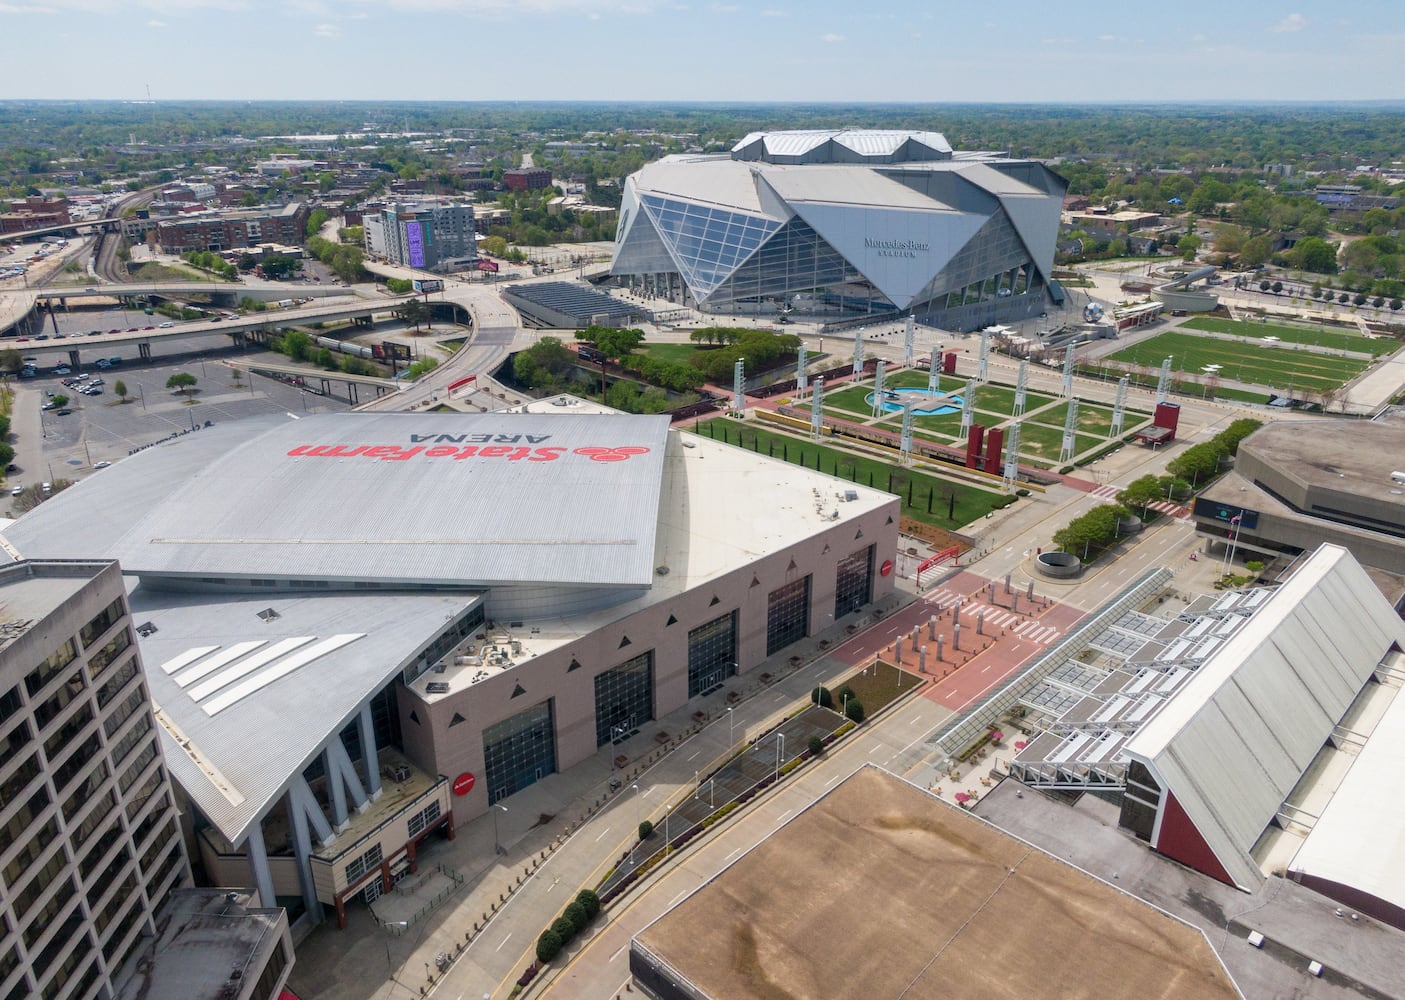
{"x":63,"y":370}
{"x":16,"y":491}
{"x":102,"y":465}
{"x":166,"y":325}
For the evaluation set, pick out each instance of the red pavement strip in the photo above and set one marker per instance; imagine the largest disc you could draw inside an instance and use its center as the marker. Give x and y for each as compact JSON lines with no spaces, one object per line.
{"x":984,"y":670}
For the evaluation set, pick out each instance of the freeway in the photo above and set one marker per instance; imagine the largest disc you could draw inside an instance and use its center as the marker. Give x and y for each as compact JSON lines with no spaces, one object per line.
{"x":106,"y":343}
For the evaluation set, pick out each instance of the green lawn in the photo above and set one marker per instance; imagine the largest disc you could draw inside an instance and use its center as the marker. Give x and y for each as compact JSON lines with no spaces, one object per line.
{"x":677,"y":354}
{"x":1282,"y":367}
{"x":926,"y":497}
{"x":1093,"y":418}
{"x":1332,"y":338}
{"x":1044,"y":442}
{"x":850,"y":400}
{"x":875,"y":686}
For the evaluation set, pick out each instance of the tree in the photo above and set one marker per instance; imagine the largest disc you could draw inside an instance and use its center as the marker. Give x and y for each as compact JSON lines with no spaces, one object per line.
{"x":1312,"y":253}
{"x":315,"y":221}
{"x":495,"y":246}
{"x":646,"y":830}
{"x":297,"y":345}
{"x":815,"y":745}
{"x":821,"y":697}
{"x":183,"y":382}
{"x":1277,"y":287}
{"x":853,"y":708}
{"x":10,"y":361}
{"x":120,"y":388}
{"x":612,"y":344}
{"x":1265,"y":285}
{"x":412,"y":311}
{"x":1141,"y":492}
{"x":59,"y":400}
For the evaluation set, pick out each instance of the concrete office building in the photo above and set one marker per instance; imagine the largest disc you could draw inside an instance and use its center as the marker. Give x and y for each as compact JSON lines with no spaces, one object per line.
{"x":1298,"y":483}
{"x":847,"y":223}
{"x":90,"y":839}
{"x":434,"y":236}
{"x":366,"y":628}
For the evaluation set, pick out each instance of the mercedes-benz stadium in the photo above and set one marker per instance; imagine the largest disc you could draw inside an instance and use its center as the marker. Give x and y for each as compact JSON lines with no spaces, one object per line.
{"x":845,"y":223}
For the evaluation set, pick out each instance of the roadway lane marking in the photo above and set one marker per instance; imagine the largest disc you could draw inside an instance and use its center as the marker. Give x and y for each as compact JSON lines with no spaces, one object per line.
{"x":733,"y":854}
{"x":876,"y":748}
{"x":618,"y":953}
{"x":602,"y":834}
{"x":503,"y":942}
{"x":831,"y":781}
{"x":779,"y":819}
{"x":695,"y":753}
{"x":781,"y":696}
{"x":674,"y":900}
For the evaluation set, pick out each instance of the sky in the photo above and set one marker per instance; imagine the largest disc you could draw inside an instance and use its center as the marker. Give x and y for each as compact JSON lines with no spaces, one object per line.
{"x":899,"y":51}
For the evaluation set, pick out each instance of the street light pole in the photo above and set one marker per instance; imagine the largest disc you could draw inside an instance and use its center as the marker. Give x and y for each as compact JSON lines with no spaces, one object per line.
{"x":780,"y":751}
{"x":497,"y":841}
{"x":731,"y":730}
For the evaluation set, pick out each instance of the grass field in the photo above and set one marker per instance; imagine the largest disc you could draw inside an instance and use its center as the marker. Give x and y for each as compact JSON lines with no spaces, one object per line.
{"x":876,"y":686}
{"x":1092,"y":418}
{"x":678,"y":354}
{"x":1044,"y":443}
{"x":1313,"y":336}
{"x":926,"y":498}
{"x":1282,"y":367}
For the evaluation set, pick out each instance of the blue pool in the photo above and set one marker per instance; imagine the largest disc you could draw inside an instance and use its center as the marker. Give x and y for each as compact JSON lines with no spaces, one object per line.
{"x":893,"y":403}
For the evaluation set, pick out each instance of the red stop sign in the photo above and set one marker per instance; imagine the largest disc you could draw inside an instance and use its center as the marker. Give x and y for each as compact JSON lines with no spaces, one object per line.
{"x":463,"y":784}
{"x":887,"y":568}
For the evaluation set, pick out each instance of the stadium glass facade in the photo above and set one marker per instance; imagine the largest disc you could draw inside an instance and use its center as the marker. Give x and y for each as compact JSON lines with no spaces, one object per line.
{"x":712,"y":654}
{"x":844,"y":224}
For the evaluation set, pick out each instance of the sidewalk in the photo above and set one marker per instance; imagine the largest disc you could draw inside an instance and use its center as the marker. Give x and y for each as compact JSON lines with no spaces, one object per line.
{"x":550,"y":851}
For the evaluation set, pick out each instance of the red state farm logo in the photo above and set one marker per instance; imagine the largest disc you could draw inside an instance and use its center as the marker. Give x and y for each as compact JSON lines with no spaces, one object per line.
{"x":395,"y":453}
{"x":611,"y":454}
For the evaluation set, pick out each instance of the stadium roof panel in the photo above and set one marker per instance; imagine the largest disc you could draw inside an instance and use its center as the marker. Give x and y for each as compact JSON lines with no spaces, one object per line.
{"x":396,"y":498}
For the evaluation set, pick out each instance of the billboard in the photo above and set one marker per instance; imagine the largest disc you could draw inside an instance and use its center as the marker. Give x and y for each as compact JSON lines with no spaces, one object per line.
{"x":1226,"y":513}
{"x":414,"y":243}
{"x":427,"y":285}
{"x":400,"y":352}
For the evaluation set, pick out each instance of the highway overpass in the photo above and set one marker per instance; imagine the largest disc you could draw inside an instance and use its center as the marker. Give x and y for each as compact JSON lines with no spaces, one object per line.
{"x":255,"y":327}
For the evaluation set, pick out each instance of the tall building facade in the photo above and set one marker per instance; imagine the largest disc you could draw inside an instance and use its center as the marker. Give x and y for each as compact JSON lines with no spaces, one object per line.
{"x":433,"y":236}
{"x":90,"y":842}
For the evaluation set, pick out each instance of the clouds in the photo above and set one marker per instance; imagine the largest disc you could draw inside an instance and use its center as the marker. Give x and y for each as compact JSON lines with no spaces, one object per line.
{"x":327,"y":30}
{"x":1291,"y":23}
{"x":832,"y":38}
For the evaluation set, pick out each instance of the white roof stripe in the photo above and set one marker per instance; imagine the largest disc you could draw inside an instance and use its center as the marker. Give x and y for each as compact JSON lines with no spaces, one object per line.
{"x":281,"y":669}
{"x":214,"y":663}
{"x":202,"y":691}
{"x":187,"y":658}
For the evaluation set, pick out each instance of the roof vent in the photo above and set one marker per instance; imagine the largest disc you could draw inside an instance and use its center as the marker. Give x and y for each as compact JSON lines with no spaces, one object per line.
{"x":661,"y":570}
{"x":147,"y":628}
{"x":269,"y":615}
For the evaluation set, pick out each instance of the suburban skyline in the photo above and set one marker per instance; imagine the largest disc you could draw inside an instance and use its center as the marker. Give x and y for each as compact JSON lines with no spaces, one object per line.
{"x":608,"y":50}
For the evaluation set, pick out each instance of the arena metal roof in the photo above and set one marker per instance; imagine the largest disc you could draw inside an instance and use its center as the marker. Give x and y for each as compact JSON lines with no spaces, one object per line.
{"x":837,"y":145}
{"x":284,"y":670}
{"x":1357,"y":842}
{"x":1239,"y":735}
{"x":472,"y":500}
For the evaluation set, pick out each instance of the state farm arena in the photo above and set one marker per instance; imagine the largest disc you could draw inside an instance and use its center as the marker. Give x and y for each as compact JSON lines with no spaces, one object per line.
{"x":359,"y":629}
{"x":845,"y":224}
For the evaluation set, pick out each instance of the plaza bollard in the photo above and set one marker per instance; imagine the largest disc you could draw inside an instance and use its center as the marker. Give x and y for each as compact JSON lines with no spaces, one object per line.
{"x":980,"y":623}
{"x":898,"y":649}
{"x":932,"y":627}
{"x":1007,"y":583}
{"x":941,"y":640}
{"x":956,"y":637}
{"x":922,"y":660}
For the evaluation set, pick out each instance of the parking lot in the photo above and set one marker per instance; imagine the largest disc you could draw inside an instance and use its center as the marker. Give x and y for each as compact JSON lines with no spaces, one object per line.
{"x":102,"y":428}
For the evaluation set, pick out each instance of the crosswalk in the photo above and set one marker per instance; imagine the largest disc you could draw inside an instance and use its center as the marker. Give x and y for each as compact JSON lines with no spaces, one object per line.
{"x":996,"y":618}
{"x":1108,"y":492}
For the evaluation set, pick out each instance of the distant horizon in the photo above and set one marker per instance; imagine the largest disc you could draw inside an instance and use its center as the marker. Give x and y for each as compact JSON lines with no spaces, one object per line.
{"x":1077,"y":53}
{"x":708,"y":103}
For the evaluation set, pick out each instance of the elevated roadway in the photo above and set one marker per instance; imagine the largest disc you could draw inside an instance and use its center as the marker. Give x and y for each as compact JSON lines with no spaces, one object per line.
{"x":255,"y":327}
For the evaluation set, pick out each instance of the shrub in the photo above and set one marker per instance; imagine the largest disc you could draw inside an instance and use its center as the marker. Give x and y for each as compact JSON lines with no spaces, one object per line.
{"x":821,"y":697}
{"x":854,"y":710}
{"x":576,"y":914}
{"x":563,"y":929}
{"x":590,"y":901}
{"x":1254,"y":566}
{"x":845,"y":694}
{"x":549,"y":945}
{"x":646,"y":830}
{"x":816,"y":746}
